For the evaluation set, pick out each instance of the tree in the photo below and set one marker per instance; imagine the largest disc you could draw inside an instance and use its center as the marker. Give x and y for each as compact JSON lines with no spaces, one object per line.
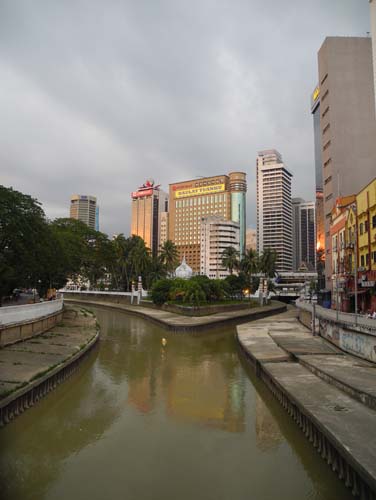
{"x":268,"y":261}
{"x":169,"y":256}
{"x":23,"y":238}
{"x":230,"y":259}
{"x":250,"y":265}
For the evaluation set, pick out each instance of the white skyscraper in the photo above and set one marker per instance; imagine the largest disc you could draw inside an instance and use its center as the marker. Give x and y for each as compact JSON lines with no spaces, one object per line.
{"x":274,"y":211}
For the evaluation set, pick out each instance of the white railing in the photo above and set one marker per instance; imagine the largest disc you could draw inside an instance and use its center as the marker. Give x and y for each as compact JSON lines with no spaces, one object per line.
{"x":100,"y":292}
{"x":350,"y":319}
{"x":28,"y":312}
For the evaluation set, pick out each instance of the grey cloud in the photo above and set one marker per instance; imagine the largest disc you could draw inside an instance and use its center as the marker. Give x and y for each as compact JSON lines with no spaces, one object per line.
{"x":97,"y":96}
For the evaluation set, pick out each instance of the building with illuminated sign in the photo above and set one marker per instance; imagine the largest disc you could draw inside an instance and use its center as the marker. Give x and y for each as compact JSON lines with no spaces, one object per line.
{"x":190,"y":201}
{"x":347,"y":123}
{"x":84,"y":208}
{"x":217,"y":234}
{"x":148,"y":203}
{"x":274,"y":210}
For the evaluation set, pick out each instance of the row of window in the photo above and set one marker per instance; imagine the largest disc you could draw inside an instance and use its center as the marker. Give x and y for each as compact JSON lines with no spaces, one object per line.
{"x":201,"y":200}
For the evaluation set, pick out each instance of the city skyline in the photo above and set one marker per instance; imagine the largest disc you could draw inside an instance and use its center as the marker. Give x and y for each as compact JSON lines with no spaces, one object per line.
{"x":118,"y":113}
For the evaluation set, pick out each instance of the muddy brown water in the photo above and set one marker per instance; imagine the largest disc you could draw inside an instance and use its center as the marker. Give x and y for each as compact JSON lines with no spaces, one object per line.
{"x":139,"y":420}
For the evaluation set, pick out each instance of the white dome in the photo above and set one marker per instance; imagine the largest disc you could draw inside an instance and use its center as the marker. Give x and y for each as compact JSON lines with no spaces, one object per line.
{"x":183,"y":271}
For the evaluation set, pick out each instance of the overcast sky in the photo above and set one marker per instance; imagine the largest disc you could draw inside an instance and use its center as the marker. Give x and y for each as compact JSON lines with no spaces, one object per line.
{"x":97,"y":96}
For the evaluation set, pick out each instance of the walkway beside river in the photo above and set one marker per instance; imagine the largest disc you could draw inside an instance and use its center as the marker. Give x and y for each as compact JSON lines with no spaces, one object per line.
{"x":331,"y":395}
{"x":181,"y":323}
{"x":26,"y":366}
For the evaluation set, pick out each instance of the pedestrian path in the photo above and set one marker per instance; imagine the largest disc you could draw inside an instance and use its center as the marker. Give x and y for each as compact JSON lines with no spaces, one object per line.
{"x":330,"y":394}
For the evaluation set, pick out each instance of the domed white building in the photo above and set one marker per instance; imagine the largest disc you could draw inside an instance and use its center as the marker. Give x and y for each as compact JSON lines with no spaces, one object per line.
{"x":183,"y":271}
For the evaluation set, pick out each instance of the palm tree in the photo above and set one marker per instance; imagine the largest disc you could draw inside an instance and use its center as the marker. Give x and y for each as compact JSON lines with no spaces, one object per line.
{"x":169,"y":256}
{"x":268,"y":261}
{"x":230,"y":259}
{"x":250,"y":263}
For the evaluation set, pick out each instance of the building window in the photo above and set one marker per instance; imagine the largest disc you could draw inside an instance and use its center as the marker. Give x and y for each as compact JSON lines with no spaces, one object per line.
{"x":366,"y":225}
{"x":328,"y":179}
{"x":361,"y":228}
{"x":325,"y":112}
{"x":326,"y":128}
{"x":329,"y":197}
{"x":326,"y":145}
{"x":374,"y":257}
{"x":325,"y":96}
{"x":367,"y":259}
{"x":325,"y":77}
{"x":362,"y":260}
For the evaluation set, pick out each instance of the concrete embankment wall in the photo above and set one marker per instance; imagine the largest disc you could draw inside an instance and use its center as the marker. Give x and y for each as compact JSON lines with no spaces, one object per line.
{"x":19,"y":323}
{"x":357,"y":339}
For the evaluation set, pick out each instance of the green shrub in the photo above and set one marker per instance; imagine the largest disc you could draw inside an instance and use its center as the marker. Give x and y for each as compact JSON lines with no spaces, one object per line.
{"x":160,"y":291}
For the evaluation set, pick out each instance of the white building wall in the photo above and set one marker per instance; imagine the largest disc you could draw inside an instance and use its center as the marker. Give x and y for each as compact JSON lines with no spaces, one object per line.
{"x":274,"y":211}
{"x":217,"y":233}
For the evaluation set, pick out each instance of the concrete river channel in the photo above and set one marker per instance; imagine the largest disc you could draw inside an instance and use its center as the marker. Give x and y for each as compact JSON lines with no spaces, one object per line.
{"x":139,"y":420}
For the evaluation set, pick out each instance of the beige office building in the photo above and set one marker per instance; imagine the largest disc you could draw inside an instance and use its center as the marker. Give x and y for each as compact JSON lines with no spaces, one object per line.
{"x":251,"y":239}
{"x":347,"y":122}
{"x":84,"y":208}
{"x":190,"y":201}
{"x":148,"y":202}
{"x":372,"y":4}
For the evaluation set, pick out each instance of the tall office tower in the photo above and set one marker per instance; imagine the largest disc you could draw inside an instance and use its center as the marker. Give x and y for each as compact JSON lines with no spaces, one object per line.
{"x":251,"y":239}
{"x":83,"y":208}
{"x":303,"y":235}
{"x":347,"y":122}
{"x":274,"y":214}
{"x":147,"y":204}
{"x":372,"y":5}
{"x":191,"y":200}
{"x":238,"y":188}
{"x":320,"y":226}
{"x":217,"y":233}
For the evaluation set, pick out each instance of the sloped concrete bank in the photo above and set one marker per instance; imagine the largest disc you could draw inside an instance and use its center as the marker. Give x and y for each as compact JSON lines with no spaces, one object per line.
{"x":29,"y":370}
{"x":339,"y":426}
{"x":187,"y":324}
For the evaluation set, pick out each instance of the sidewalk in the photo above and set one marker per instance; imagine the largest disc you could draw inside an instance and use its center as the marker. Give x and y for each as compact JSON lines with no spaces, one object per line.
{"x":328,"y":392}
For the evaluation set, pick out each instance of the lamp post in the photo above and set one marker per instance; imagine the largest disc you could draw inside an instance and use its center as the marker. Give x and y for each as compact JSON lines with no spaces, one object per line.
{"x":356,"y":271}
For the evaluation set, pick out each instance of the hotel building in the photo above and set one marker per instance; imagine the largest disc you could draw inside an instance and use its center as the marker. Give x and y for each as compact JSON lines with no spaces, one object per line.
{"x":274,"y":210}
{"x":190,"y":201}
{"x":84,"y":208}
{"x":148,"y":202}
{"x":217,"y":234}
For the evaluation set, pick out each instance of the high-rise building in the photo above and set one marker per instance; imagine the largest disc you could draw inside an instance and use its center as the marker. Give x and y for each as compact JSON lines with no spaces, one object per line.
{"x":147,"y":204}
{"x":303,"y":235}
{"x":84,"y":208}
{"x":347,"y":123}
{"x":163,"y":232}
{"x":217,"y":234}
{"x":274,"y":214}
{"x":190,"y":201}
{"x":97,"y":218}
{"x":238,"y":188}
{"x":251,"y":239}
{"x":372,"y":4}
{"x":320,"y":227}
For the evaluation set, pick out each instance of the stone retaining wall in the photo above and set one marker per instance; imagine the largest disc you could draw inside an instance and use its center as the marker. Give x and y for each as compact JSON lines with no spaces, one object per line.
{"x":9,"y":334}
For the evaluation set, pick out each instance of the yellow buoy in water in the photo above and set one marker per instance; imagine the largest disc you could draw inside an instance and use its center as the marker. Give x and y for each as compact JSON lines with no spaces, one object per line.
{"x":164,"y":341}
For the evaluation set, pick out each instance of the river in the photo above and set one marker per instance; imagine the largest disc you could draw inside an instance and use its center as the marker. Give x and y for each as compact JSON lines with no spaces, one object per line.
{"x":139,"y":420}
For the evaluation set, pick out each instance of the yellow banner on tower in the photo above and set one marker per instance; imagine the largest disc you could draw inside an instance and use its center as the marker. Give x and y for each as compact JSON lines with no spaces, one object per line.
{"x":198,"y":191}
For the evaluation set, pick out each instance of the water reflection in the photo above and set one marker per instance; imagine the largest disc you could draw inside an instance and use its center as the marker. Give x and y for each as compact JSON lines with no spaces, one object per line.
{"x":140,"y":420}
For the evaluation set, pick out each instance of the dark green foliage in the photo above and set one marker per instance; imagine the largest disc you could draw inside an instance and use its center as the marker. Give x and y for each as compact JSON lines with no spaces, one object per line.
{"x":160,"y":291}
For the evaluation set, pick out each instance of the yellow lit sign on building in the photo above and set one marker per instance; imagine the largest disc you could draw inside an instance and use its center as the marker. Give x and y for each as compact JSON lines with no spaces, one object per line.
{"x":316,"y":94}
{"x":198,"y":191}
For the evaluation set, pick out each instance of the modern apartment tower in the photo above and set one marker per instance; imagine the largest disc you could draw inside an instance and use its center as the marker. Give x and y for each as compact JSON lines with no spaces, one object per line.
{"x":148,"y":202}
{"x":84,"y":208}
{"x":217,"y":234}
{"x":274,"y":212}
{"x":347,"y":123}
{"x":190,"y":201}
{"x":303,"y":235}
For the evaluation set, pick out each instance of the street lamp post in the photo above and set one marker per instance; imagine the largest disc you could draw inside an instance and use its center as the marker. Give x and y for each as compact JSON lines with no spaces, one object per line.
{"x":356,"y":272}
